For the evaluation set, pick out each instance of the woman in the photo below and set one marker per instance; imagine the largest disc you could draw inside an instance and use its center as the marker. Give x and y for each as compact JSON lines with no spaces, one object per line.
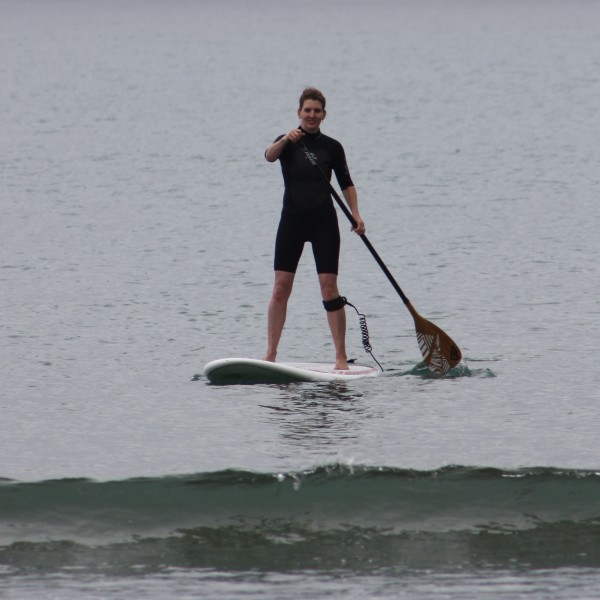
{"x":309,"y":215}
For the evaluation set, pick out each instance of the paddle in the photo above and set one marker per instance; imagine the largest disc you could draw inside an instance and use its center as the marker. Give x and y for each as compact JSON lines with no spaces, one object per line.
{"x":439,"y":351}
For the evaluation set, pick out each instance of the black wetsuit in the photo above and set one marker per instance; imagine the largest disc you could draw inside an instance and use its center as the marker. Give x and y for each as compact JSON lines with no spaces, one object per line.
{"x":308,"y":213}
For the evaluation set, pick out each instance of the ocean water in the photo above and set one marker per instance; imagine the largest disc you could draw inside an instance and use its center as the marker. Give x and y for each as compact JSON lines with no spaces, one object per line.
{"x":137,"y":222}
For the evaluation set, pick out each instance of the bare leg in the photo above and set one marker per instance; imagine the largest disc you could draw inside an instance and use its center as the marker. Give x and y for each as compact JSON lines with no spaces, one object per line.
{"x":336,"y":319}
{"x":282,"y":288}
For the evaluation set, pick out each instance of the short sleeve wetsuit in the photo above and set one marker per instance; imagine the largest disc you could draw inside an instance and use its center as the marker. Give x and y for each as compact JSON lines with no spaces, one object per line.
{"x":308,"y":213}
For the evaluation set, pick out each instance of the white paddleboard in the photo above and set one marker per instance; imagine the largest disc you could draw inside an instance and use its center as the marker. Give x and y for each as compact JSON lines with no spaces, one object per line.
{"x":250,"y":370}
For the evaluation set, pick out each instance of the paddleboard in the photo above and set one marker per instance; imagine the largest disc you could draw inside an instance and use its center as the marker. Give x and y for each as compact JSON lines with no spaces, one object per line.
{"x":250,"y":370}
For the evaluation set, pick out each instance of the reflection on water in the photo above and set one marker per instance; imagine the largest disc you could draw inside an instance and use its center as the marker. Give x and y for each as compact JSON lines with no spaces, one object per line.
{"x":324,"y":413}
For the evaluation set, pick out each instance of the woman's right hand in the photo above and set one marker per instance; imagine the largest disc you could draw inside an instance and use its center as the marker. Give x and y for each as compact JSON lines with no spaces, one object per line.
{"x":294,"y":135}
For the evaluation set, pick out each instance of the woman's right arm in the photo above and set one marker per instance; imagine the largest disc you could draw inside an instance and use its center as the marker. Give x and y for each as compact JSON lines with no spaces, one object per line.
{"x":273,"y":152}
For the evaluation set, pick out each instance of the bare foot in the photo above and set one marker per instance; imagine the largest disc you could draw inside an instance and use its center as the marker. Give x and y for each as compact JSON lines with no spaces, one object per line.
{"x":269,"y":357}
{"x":341,"y":366}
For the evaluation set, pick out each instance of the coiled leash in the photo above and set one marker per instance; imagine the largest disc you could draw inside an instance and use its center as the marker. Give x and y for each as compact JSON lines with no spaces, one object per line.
{"x":339,"y":302}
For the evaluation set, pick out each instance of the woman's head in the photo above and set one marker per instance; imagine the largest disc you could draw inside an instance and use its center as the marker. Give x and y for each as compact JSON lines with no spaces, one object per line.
{"x":312,"y":110}
{"x":312,"y":93}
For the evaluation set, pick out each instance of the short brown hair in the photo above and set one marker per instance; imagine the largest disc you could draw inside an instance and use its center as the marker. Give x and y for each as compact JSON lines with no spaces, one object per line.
{"x":312,"y":93}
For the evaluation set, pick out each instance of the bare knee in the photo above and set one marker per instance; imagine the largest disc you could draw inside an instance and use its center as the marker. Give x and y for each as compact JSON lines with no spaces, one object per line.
{"x":329,"y":288}
{"x":282,"y":288}
{"x":281,"y":294}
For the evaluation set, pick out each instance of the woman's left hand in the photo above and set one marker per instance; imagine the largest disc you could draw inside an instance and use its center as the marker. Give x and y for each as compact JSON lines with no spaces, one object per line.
{"x":360,"y":225}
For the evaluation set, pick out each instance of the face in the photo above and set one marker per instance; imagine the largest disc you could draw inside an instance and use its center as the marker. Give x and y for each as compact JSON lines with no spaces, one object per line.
{"x":311,"y":114}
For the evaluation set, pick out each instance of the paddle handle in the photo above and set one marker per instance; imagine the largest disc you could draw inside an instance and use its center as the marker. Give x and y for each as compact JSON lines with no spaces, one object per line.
{"x":352,"y":220}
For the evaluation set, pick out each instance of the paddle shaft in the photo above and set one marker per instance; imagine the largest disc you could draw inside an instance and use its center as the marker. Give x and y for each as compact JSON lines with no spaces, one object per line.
{"x":363,"y":237}
{"x":439,"y":351}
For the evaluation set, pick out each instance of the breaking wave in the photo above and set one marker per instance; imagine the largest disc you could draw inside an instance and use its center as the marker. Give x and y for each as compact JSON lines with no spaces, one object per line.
{"x":329,"y":517}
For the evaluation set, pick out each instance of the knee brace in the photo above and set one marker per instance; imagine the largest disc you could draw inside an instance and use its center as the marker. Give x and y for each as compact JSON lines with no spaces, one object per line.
{"x":335,"y":304}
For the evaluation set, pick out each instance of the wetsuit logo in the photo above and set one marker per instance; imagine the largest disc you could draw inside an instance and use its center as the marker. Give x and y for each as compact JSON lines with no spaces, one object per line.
{"x":312,"y":157}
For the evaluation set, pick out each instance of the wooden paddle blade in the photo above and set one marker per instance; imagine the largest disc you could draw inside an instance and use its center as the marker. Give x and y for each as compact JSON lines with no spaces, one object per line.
{"x":438,"y":349}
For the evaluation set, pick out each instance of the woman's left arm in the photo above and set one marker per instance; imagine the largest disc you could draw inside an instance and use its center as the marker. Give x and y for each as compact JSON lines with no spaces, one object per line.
{"x":351,"y":198}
